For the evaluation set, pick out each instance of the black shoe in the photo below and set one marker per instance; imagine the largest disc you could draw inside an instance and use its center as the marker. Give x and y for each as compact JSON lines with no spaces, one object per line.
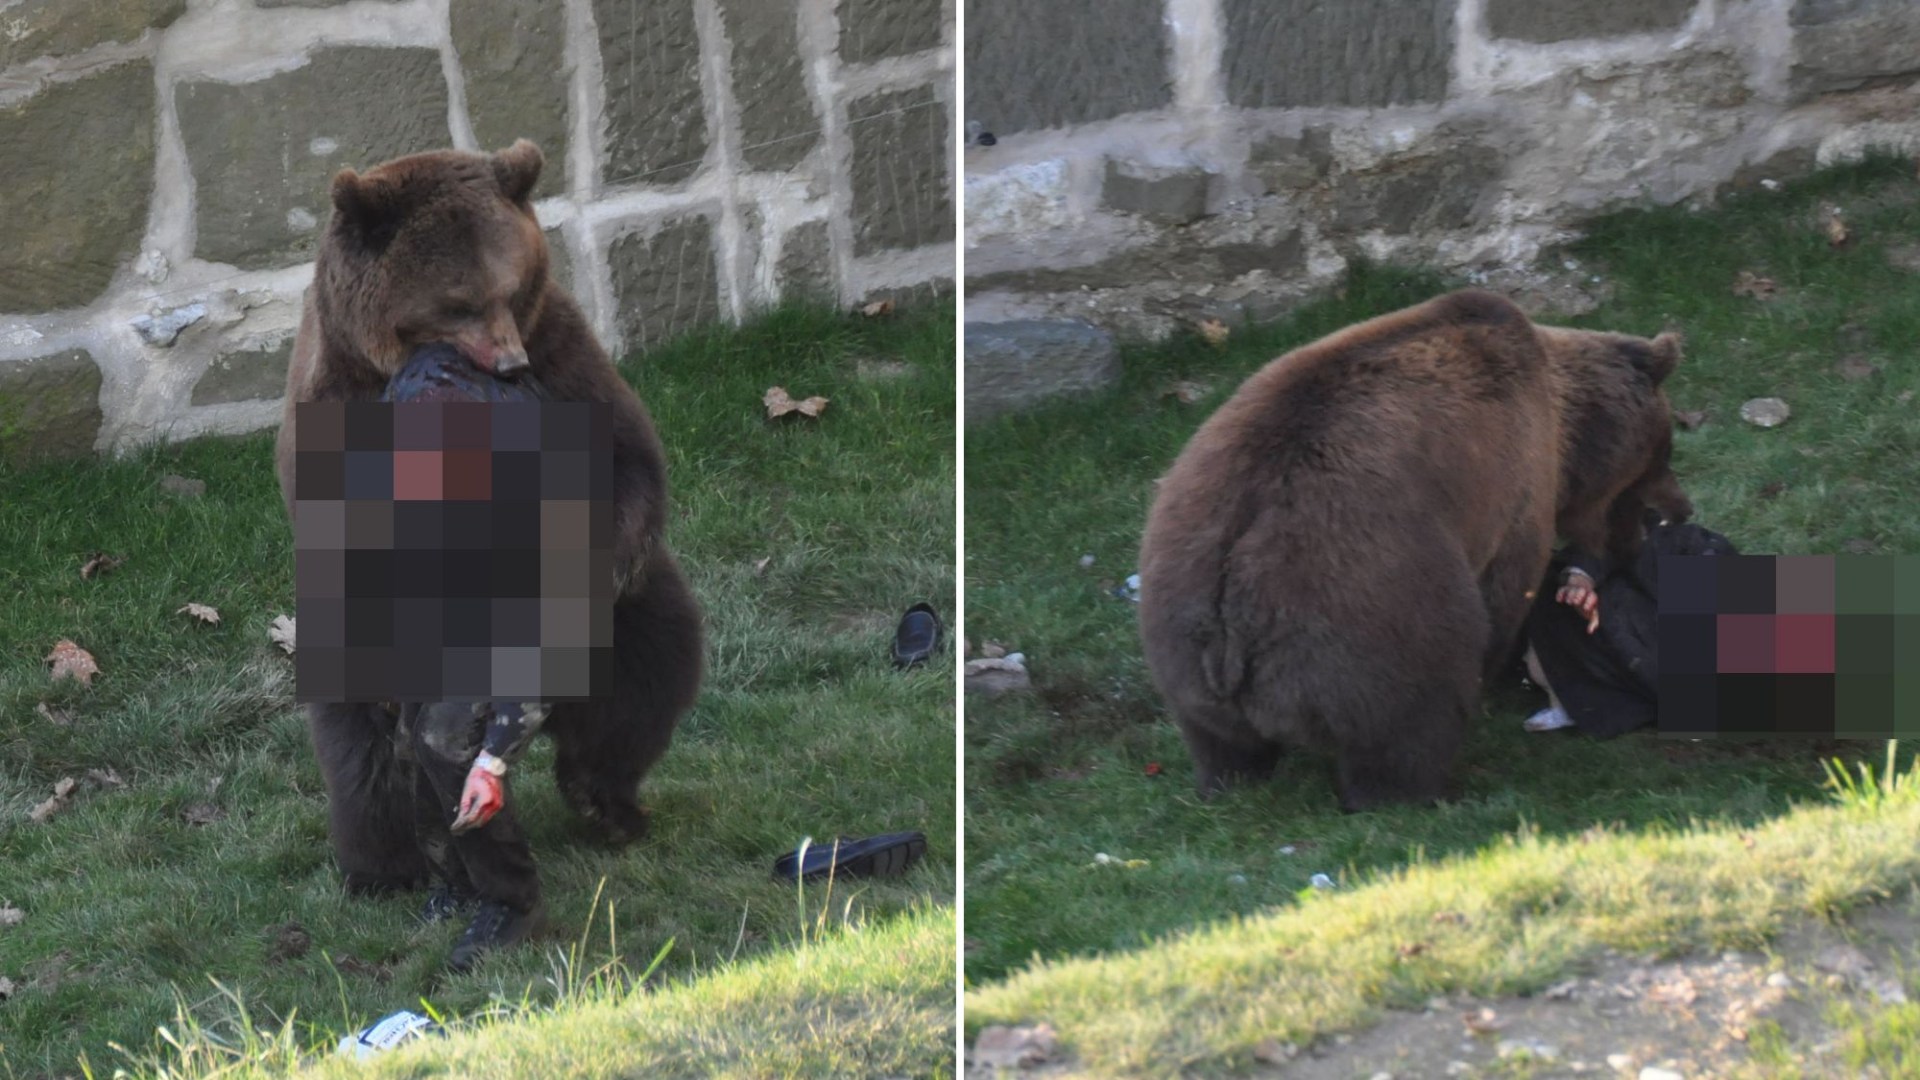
{"x":495,"y":926}
{"x":444,"y":902}
{"x":880,"y":856}
{"x":917,"y":637}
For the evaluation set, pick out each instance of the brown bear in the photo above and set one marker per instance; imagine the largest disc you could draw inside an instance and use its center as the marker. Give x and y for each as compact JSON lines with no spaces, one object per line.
{"x":445,"y":247}
{"x":1349,"y":545}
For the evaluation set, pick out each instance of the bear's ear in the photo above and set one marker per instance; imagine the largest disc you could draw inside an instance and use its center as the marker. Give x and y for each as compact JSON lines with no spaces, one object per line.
{"x":362,"y":202}
{"x":1664,"y":357}
{"x":517,"y":168}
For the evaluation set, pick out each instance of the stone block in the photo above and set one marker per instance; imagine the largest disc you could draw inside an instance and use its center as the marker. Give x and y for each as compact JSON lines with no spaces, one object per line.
{"x":1014,"y":365}
{"x":875,"y":29}
{"x":805,"y":268}
{"x":49,"y":407}
{"x":666,"y":283}
{"x":75,"y":181}
{"x":656,"y":124}
{"x":559,"y":260}
{"x":514,"y":58}
{"x":35,"y":28}
{"x":1571,"y":20}
{"x":253,"y":374}
{"x":264,"y":152}
{"x":901,"y":194}
{"x":1289,"y":53}
{"x":1445,"y":191}
{"x":1045,"y":65}
{"x":1849,"y":44}
{"x":1292,"y":162}
{"x":1174,"y":196}
{"x":778,"y":125}
{"x":1178,"y":259}
{"x":304,"y":3}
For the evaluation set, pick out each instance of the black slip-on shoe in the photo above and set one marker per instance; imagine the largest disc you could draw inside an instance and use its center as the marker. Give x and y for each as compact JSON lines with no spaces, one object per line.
{"x":494,"y":926}
{"x":918,"y":636}
{"x":879,"y":856}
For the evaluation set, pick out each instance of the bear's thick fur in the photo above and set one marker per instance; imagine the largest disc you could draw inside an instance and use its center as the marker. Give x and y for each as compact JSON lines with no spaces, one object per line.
{"x":444,"y":246}
{"x":1346,"y":548}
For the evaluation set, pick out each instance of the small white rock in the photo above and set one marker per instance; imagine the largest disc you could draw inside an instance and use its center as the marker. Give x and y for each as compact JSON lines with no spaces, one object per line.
{"x":1086,"y":561}
{"x":1654,"y":1072}
{"x":1770,"y":184}
{"x":1321,"y":881}
{"x":1286,"y":849}
{"x":1619,"y":1062}
{"x":1103,"y":858}
{"x":1383,"y":1076}
{"x":1766,"y":412}
{"x":163,"y":328}
{"x":1236,"y":879}
{"x":1017,"y":659}
{"x":1780,"y":980}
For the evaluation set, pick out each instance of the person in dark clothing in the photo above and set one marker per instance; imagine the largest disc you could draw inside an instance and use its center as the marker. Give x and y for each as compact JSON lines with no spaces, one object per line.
{"x":1605,"y":679}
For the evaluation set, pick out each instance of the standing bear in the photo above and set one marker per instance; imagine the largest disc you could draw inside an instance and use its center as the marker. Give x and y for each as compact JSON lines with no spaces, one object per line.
{"x":1350,"y":544}
{"x":444,"y":247}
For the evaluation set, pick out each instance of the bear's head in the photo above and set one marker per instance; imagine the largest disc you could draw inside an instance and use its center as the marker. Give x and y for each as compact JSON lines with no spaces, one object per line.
{"x":441,"y":246}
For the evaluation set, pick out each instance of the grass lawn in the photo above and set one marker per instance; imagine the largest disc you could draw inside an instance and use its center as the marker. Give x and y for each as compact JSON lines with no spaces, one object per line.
{"x":804,"y":539}
{"x":1088,"y":763}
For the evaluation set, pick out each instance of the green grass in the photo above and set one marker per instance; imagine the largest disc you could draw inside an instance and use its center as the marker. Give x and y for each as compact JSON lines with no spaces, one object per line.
{"x":1058,"y":776}
{"x":802,"y":727}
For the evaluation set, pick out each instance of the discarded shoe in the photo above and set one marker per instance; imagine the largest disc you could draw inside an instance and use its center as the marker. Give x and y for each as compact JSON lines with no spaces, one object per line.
{"x":494,"y":926}
{"x":879,"y":856}
{"x":918,"y":636}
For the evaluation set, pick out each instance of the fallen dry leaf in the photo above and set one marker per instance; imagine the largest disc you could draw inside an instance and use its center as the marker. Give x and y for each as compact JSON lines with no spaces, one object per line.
{"x":282,"y":633}
{"x":1563,"y":991}
{"x":1453,"y":917}
{"x":1274,"y":1052}
{"x":10,"y":915}
{"x":202,"y":612}
{"x":1214,"y":332}
{"x":992,"y":650}
{"x":1751,"y":284}
{"x":1855,"y":368}
{"x":290,"y":942}
{"x":6,"y":988}
{"x":1186,"y":392}
{"x":62,"y":794}
{"x":1484,"y":1022}
{"x":55,"y":716}
{"x":1837,"y":234}
{"x":349,"y":964}
{"x":1678,"y":992}
{"x":1412,"y":949}
{"x":202,"y":814}
{"x":106,"y":778}
{"x":1773,"y":489}
{"x":1001,"y":1047}
{"x":760,"y":566}
{"x":99,"y":563}
{"x":1690,"y":419}
{"x":877,"y":308}
{"x":779,"y":403}
{"x":70,"y":661}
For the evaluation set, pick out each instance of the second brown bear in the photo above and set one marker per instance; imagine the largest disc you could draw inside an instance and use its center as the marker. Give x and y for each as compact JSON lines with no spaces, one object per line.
{"x":1346,"y":548}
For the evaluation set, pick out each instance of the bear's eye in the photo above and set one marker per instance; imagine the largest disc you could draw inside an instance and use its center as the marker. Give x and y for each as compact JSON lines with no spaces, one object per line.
{"x":461,"y":309}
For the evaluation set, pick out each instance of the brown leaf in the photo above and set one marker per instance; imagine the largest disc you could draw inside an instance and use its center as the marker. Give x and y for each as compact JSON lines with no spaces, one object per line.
{"x":1854,"y":368}
{"x":290,"y":942}
{"x":1690,"y":419}
{"x":202,"y":814}
{"x":1186,"y":392}
{"x":877,"y":308}
{"x":62,"y":795}
{"x":1837,"y":234}
{"x":106,"y":778}
{"x":1001,"y":1047}
{"x":1484,"y":1022}
{"x":56,"y":716}
{"x":349,"y":964}
{"x":282,"y":633}
{"x":1452,"y":917}
{"x":1272,"y":1051}
{"x":1751,"y":284}
{"x":1214,"y":332}
{"x":1773,"y":489}
{"x":992,"y":650}
{"x":202,"y":612}
{"x":70,"y":661}
{"x":1412,"y":949}
{"x":779,"y":403}
{"x":1678,"y":992}
{"x":10,"y":915}
{"x":99,"y":563}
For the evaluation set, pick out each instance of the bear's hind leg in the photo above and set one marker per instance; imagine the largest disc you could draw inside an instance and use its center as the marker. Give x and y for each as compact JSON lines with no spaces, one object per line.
{"x":369,"y":798}
{"x":1220,"y":762}
{"x":1412,"y":764}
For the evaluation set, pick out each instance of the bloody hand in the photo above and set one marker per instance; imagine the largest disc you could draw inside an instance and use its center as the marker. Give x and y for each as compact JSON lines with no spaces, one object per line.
{"x":483,"y":796}
{"x":1578,"y":593}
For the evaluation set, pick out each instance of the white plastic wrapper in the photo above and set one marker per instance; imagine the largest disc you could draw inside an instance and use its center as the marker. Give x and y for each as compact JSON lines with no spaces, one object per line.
{"x":386,"y":1033}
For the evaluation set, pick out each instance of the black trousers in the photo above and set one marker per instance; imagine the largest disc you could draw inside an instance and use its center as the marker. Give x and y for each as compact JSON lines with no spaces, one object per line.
{"x":494,"y":861}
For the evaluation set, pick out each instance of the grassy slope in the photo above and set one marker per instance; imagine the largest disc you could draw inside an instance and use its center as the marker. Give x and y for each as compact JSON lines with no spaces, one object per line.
{"x":802,"y":728}
{"x":1056,"y":777}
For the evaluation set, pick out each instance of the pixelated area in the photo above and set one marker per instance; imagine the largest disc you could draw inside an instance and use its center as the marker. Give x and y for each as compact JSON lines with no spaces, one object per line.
{"x":1810,"y":645}
{"x":453,"y":551}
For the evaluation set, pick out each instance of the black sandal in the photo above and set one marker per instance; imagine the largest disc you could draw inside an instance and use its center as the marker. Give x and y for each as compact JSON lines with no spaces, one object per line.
{"x":918,"y":636}
{"x":879,"y":856}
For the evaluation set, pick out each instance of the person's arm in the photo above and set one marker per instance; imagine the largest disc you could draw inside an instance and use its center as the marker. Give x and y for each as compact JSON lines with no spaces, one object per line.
{"x":512,"y":727}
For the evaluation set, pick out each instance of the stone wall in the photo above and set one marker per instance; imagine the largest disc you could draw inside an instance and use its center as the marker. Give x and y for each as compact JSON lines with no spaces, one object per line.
{"x":165,"y":171}
{"x":1160,"y":162}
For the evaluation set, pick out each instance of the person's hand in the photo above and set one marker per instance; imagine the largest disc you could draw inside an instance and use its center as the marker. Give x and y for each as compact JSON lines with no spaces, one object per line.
{"x":1576,"y":591}
{"x":484,"y":794}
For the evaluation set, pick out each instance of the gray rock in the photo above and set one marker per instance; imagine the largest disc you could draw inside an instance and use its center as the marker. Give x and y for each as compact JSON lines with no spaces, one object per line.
{"x":901,"y":194}
{"x":1043,"y":65}
{"x":1765,"y":412}
{"x":1848,"y":44}
{"x":873,"y":29}
{"x":925,"y":292}
{"x":1294,"y":161}
{"x":264,"y":152}
{"x":1182,"y":258}
{"x":163,"y":329}
{"x":656,"y":121}
{"x":183,"y":486}
{"x":256,"y":374}
{"x":49,"y":406}
{"x":1012,"y":365}
{"x":665,"y":284}
{"x":1446,"y":191}
{"x":513,"y":55}
{"x":36,"y":28}
{"x":1289,"y":53}
{"x":778,"y":126}
{"x":302,"y":3}
{"x":1568,"y":20}
{"x":559,"y":260}
{"x":74,"y":186}
{"x":805,"y":269}
{"x":991,"y":677}
{"x":1175,"y":196}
